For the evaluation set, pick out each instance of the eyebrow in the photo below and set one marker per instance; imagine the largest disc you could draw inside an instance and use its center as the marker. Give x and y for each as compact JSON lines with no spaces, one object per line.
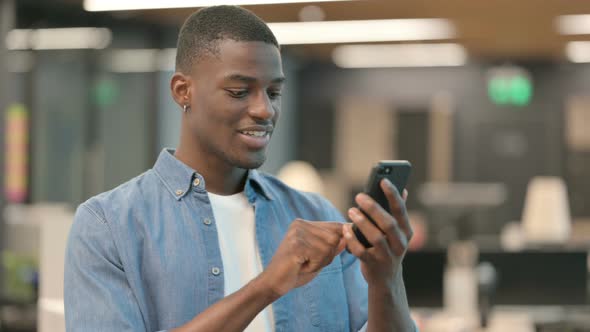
{"x":249,"y":79}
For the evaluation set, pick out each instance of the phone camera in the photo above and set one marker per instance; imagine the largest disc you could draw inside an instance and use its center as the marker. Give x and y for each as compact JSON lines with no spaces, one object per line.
{"x":387,"y":170}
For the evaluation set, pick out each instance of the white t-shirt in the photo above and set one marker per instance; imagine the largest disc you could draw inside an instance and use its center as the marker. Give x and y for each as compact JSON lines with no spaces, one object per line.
{"x":234,"y":217}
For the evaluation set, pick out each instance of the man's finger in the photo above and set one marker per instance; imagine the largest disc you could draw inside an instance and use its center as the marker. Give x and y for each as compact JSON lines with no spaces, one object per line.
{"x":396,"y":236}
{"x":332,"y":226}
{"x":341,"y":245}
{"x":352,"y":243}
{"x":318,"y":245}
{"x":318,"y":252}
{"x":397,"y":206}
{"x":375,"y":211}
{"x":392,"y":238}
{"x":331,"y":233}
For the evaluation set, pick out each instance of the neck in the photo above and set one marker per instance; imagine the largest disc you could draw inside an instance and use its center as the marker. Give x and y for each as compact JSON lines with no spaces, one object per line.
{"x":220,"y":177}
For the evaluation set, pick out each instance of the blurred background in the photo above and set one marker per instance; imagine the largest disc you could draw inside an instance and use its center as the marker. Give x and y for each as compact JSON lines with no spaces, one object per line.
{"x":489,"y":101}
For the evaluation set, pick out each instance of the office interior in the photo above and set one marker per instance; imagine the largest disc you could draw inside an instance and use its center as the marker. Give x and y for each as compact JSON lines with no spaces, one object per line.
{"x":489,"y":101}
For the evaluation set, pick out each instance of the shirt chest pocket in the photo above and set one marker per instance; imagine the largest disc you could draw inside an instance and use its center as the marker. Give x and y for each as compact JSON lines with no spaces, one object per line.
{"x":326,"y":299}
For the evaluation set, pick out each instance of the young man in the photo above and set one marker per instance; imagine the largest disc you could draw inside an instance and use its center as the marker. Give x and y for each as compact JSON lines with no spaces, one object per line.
{"x":204,"y":242}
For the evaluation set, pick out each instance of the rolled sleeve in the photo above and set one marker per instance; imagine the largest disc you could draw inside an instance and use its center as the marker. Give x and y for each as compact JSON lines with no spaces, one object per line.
{"x":97,"y":295}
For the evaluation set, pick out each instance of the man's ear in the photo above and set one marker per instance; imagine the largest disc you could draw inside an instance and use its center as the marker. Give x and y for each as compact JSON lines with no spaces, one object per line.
{"x":180,"y":85}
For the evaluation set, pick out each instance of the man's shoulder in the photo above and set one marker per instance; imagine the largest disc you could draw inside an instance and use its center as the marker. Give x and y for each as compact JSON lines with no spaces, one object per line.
{"x":284,"y":193}
{"x":280,"y":189}
{"x":123,"y":197}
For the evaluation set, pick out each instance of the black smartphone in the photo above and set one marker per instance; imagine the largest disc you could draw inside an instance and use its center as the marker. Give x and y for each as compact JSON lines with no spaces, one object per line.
{"x":398,"y":172}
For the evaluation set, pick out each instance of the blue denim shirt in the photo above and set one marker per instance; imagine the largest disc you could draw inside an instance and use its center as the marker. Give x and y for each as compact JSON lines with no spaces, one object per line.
{"x":145,"y":256}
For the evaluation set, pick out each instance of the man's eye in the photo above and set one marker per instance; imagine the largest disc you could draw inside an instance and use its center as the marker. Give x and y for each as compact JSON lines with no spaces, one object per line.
{"x":274,"y":94}
{"x":240,"y":93}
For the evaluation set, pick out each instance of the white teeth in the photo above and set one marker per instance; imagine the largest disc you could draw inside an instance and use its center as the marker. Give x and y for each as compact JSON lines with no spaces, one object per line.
{"x":255,"y":133}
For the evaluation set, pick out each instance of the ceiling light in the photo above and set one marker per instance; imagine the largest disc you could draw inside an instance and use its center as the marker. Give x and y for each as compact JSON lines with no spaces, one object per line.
{"x":362,"y":31}
{"x":113,"y":5}
{"x":140,"y":60}
{"x":58,"y":39}
{"x":402,"y":55}
{"x":132,"y":60}
{"x":18,"y":39}
{"x":578,"y":51}
{"x":167,"y":59}
{"x":573,"y":24}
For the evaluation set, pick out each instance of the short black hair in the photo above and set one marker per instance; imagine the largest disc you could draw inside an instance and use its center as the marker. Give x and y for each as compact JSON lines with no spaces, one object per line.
{"x":202,"y":31}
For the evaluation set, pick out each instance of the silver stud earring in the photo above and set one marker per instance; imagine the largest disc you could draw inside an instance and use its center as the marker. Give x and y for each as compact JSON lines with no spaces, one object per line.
{"x":185,"y":108}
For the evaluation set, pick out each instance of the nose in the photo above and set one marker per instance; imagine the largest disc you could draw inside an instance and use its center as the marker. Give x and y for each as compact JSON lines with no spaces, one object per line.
{"x":261,"y":107}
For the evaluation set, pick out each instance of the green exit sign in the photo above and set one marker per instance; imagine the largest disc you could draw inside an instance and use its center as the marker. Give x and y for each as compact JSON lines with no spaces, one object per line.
{"x":510,"y":86}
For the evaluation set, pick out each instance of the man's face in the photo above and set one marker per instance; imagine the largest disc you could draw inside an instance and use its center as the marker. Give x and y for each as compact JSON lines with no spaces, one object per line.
{"x":236,"y":99}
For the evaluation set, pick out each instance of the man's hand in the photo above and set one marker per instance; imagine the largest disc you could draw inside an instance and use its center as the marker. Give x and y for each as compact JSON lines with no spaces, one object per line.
{"x":380,"y":264}
{"x":305,"y":250}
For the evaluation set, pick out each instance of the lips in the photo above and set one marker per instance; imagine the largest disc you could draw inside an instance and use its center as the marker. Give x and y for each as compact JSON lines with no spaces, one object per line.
{"x":254,"y":133}
{"x":256,"y":137}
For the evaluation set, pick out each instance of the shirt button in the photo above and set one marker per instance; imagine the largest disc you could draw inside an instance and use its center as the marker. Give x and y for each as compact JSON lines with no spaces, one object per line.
{"x":207,"y":221}
{"x":196,"y":182}
{"x":179,"y":192}
{"x":215,"y":271}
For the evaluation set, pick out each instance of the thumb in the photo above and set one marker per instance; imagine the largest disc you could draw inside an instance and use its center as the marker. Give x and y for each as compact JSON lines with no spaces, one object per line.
{"x":341,"y":246}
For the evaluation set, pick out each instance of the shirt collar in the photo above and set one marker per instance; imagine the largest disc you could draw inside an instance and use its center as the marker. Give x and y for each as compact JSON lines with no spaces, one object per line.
{"x":259,"y":183}
{"x":179,"y":177}
{"x":176,"y":176}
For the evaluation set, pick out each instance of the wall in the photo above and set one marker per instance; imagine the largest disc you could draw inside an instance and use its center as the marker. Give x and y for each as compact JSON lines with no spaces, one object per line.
{"x":490,"y":143}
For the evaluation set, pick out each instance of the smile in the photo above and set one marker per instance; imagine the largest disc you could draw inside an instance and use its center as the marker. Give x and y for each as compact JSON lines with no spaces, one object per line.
{"x":255,"y":133}
{"x":255,"y":138}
